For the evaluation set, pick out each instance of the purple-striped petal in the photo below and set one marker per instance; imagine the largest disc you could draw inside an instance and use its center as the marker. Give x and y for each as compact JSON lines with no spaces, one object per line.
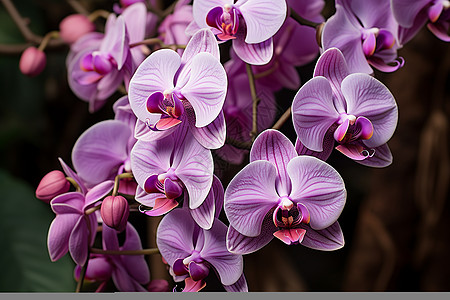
{"x":368,"y":97}
{"x":116,"y":40}
{"x":194,"y":166}
{"x":263,"y":18}
{"x":341,"y":130}
{"x":206,"y":88}
{"x":319,"y":187}
{"x":198,"y":271}
{"x":100,"y":150}
{"x":239,"y":286}
{"x":59,"y":233}
{"x":273,"y":146}
{"x":68,"y":203}
{"x":250,"y":195}
{"x":174,"y":235}
{"x":381,"y":157}
{"x":211,"y":136}
{"x":440,"y":30}
{"x":313,"y":112}
{"x":328,"y":146}
{"x":229,"y":266}
{"x":353,"y":151}
{"x":155,"y":74}
{"x":290,"y":235}
{"x":98,"y":192}
{"x":254,"y":54}
{"x":162,"y":206}
{"x":202,"y":7}
{"x":328,"y":239}
{"x":240,"y":244}
{"x":405,"y":11}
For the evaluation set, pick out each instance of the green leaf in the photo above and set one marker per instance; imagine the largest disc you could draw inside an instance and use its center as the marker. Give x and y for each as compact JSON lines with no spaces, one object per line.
{"x":24,"y":259}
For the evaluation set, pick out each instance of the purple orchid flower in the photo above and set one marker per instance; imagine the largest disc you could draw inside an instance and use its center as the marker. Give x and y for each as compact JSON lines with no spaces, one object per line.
{"x":72,"y":230}
{"x":103,"y":150}
{"x":95,"y":72}
{"x":294,"y":198}
{"x":366,"y":33}
{"x":250,"y":24}
{"x":357,"y":110}
{"x":128,"y":272}
{"x":167,"y":168}
{"x":192,"y":252}
{"x":167,"y":90}
{"x":413,"y":15}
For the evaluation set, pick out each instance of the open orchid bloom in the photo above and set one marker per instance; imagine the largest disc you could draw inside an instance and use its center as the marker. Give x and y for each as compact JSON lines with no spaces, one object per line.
{"x":356,"y":110}
{"x":250,"y":24}
{"x":192,"y":252}
{"x":72,"y":230}
{"x":128,"y":272}
{"x":366,"y":33}
{"x":297,"y":199}
{"x":167,"y":168}
{"x":413,"y":15}
{"x":95,"y":72}
{"x":167,"y":90}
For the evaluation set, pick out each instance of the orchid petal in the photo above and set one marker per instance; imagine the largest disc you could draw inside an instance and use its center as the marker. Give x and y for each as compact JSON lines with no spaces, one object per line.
{"x":206,"y":88}
{"x":98,"y":192}
{"x":59,"y":233}
{"x":368,"y":97}
{"x":440,"y":30}
{"x":328,"y":146}
{"x":145,"y":198}
{"x":254,"y":54}
{"x":263,"y":18}
{"x":211,"y":136}
{"x":116,"y":40}
{"x":167,"y":123}
{"x":250,"y":196}
{"x":328,"y":239}
{"x":239,"y":286}
{"x":290,"y":236}
{"x":68,"y":203}
{"x":341,"y":131}
{"x":172,"y":189}
{"x":70,"y":173}
{"x":144,"y":133}
{"x":100,"y":150}
{"x":124,"y":282}
{"x":200,"y":9}
{"x":174,"y":235}
{"x":405,"y":11}
{"x":78,"y":242}
{"x":240,"y":244}
{"x":382,"y":157}
{"x":162,"y":206}
{"x":155,"y":74}
{"x":135,"y":265}
{"x":353,"y":151}
{"x":313,"y":112}
{"x":319,"y":187}
{"x":273,"y":146}
{"x":229,"y":266}
{"x":198,"y":271}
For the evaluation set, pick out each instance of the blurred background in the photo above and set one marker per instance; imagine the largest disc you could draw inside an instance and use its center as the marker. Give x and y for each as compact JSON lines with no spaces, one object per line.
{"x":395,"y":222}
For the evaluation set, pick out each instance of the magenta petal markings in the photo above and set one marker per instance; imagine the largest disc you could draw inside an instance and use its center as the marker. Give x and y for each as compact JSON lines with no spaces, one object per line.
{"x":283,"y":195}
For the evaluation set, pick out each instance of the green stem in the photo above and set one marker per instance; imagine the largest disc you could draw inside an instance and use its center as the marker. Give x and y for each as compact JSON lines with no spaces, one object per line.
{"x":149,"y":251}
{"x":116,"y":182}
{"x":251,"y":81}
{"x":159,"y":42}
{"x":74,"y":183}
{"x":286,"y":115}
{"x":47,"y":38}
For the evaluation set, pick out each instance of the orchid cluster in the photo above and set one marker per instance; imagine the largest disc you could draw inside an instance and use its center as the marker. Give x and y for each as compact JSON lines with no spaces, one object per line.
{"x":192,"y":97}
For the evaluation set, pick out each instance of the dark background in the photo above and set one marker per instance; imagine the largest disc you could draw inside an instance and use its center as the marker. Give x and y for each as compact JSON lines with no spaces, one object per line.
{"x":395,"y":221}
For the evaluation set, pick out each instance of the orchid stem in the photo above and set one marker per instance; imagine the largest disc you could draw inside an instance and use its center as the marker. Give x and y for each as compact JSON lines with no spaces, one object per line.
{"x":116,"y":182}
{"x":82,"y":274}
{"x":251,"y":81}
{"x":156,"y":41}
{"x":302,"y":21}
{"x":284,"y":117}
{"x":50,"y":35}
{"x":149,"y":251}
{"x":92,"y":210}
{"x":97,"y":14}
{"x":74,"y":183}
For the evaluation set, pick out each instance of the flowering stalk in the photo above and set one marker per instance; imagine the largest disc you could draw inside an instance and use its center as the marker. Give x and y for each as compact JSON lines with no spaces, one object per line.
{"x":256,"y":100}
{"x":117,"y":179}
{"x":74,"y":183}
{"x":157,"y":41}
{"x":149,"y":251}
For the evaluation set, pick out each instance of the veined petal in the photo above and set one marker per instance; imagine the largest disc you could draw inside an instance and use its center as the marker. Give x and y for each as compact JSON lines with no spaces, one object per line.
{"x":200,"y":9}
{"x":273,"y":146}
{"x":290,"y":235}
{"x":100,"y":150}
{"x":79,"y":242}
{"x":116,"y":40}
{"x":155,"y":74}
{"x":254,"y":54}
{"x":202,"y":41}
{"x":328,"y":146}
{"x":174,"y":235}
{"x":239,"y":286}
{"x":204,"y":214}
{"x":240,"y":244}
{"x":353,"y":151}
{"x":382,"y":157}
{"x":135,"y":18}
{"x":368,"y":97}
{"x":70,"y":173}
{"x":250,"y":196}
{"x":98,"y":192}
{"x":124,"y":282}
{"x":194,"y":166}
{"x":328,"y":239}
{"x":263,"y":18}
{"x":149,"y":158}
{"x":229,"y":266}
{"x":59,"y":233}
{"x":142,"y":132}
{"x":406,"y":11}
{"x":206,"y":88}
{"x":319,"y":187}
{"x":313,"y":112}
{"x":341,"y":130}
{"x":211,"y":136}
{"x":162,"y":206}
{"x":68,"y":203}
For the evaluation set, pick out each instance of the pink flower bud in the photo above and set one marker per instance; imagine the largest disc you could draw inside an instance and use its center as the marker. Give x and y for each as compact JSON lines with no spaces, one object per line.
{"x":52,"y":185}
{"x":75,"y":26}
{"x":32,"y":62}
{"x":115,"y":211}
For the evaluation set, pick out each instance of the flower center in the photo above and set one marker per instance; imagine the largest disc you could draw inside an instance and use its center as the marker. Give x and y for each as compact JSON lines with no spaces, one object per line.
{"x":375,"y":40}
{"x":225,"y":20}
{"x":353,"y":128}
{"x":165,"y":183}
{"x":168,"y":105}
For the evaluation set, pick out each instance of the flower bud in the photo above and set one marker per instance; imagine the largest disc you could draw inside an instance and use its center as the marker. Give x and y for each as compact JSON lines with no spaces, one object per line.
{"x":32,"y":62}
{"x":115,"y":211}
{"x":52,"y":185}
{"x":75,"y":26}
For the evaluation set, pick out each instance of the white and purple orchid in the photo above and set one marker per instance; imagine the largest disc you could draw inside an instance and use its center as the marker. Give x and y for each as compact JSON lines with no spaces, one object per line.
{"x":357,"y":110}
{"x":297,"y":199}
{"x":250,"y":24}
{"x":167,"y":90}
{"x":366,"y":33}
{"x":191,"y":252}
